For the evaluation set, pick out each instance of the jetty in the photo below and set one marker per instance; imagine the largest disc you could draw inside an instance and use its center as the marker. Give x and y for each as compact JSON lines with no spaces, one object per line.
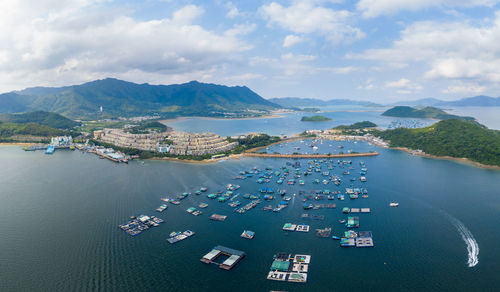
{"x":234,"y":257}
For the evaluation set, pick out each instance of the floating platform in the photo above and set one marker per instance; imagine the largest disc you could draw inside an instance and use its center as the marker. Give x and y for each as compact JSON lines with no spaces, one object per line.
{"x":234,"y":257}
{"x":248,"y":234}
{"x":217,"y":217}
{"x":286,"y":267}
{"x":326,"y":232}
{"x":314,"y":217}
{"x":302,"y":228}
{"x":180,"y":236}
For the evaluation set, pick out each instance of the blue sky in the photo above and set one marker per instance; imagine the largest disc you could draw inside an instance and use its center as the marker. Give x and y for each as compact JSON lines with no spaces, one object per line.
{"x":377,"y":50}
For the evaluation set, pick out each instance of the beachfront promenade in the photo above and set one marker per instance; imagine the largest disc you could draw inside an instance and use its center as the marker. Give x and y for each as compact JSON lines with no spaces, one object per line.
{"x":312,"y":156}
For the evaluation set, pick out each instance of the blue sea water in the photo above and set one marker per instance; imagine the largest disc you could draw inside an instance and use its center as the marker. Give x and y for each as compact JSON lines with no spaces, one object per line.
{"x":59,"y":217}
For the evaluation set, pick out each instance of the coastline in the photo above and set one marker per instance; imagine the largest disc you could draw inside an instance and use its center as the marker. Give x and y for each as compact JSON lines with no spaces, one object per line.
{"x":18,"y":144}
{"x":461,"y":160}
{"x":270,"y":116}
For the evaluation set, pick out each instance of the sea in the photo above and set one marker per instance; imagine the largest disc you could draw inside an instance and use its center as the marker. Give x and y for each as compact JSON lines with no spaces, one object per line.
{"x":59,"y":217}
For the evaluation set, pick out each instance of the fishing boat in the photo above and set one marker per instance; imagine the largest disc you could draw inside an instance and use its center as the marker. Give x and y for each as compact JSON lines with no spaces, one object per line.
{"x":393,"y":204}
{"x":248,"y":234}
{"x":335,"y":237}
{"x":50,"y":149}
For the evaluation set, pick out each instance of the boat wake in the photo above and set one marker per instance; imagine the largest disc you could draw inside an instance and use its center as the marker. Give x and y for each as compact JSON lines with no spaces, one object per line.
{"x":470,"y":241}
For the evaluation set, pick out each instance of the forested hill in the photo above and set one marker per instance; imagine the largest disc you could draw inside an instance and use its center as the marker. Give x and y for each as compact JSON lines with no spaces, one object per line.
{"x":452,"y":137}
{"x":424,"y":113}
{"x":122,"y":98}
{"x":52,"y":120}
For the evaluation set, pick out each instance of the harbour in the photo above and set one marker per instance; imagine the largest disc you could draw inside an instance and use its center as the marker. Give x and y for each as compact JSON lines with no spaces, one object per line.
{"x":143,"y":194}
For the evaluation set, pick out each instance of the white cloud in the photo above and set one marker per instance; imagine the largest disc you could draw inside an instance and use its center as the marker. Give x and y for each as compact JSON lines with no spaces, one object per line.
{"x":451,"y":50}
{"x":232,"y":10}
{"x":297,"y":58}
{"x":291,"y":40}
{"x":81,"y":40}
{"x":464,"y":89}
{"x":306,"y":17}
{"x":404,"y":86}
{"x":374,"y":8}
{"x":240,"y":29}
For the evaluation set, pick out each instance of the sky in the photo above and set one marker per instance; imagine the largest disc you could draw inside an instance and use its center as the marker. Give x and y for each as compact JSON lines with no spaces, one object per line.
{"x":375,"y":50}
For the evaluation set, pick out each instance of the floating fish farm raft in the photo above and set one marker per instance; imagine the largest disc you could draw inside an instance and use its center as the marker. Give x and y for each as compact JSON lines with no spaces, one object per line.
{"x":139,"y":224}
{"x":248,"y":234}
{"x":217,"y":217}
{"x":287,"y":267}
{"x":178,"y":236}
{"x":234,"y":257}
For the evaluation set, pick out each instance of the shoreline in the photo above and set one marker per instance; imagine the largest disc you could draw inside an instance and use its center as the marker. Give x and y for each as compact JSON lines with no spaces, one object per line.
{"x":18,"y":144}
{"x":269,"y":116}
{"x":461,"y":160}
{"x":252,"y":153}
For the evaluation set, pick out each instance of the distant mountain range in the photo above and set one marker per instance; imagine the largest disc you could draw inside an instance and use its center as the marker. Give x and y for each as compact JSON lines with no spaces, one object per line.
{"x":297,"y":102}
{"x":480,"y":100}
{"x":122,"y":98}
{"x":291,"y":102}
{"x":428,"y":112}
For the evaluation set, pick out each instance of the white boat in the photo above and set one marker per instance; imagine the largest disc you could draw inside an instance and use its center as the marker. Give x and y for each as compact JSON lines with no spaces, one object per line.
{"x":393,"y":204}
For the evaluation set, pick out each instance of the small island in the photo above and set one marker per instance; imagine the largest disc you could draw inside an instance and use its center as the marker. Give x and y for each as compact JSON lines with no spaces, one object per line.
{"x":316,"y":118}
{"x":428,"y":112}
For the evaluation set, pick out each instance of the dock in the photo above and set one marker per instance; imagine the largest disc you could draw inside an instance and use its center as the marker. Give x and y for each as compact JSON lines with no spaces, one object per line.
{"x":234,"y":257}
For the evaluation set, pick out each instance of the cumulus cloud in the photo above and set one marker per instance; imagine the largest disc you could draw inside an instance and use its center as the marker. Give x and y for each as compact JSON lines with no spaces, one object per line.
{"x":306,"y":17}
{"x":374,"y":8}
{"x":403,"y":86}
{"x":291,"y":40}
{"x":232,"y":10}
{"x":449,"y":51}
{"x":77,"y":42}
{"x":464,"y":89}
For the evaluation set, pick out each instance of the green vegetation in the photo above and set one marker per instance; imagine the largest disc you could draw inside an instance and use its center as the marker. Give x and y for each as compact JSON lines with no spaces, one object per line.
{"x":355,"y":126}
{"x":357,"y":129}
{"x":29,"y":132}
{"x":90,"y":126}
{"x":316,"y":118}
{"x":49,"y":119}
{"x":254,"y":141}
{"x":127,"y":99}
{"x":148,"y":126}
{"x":306,"y":135}
{"x":455,"y":138}
{"x":426,"y":112}
{"x":311,"y":109}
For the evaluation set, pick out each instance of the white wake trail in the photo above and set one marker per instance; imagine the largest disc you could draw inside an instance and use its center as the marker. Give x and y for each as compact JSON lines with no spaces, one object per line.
{"x":470,"y":241}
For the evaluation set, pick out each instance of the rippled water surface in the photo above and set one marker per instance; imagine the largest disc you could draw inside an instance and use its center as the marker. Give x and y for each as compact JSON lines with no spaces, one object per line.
{"x":59,"y":215}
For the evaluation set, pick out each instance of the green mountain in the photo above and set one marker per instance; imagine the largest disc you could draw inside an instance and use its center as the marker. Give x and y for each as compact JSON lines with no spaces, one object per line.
{"x":357,"y":126}
{"x":426,"y":112}
{"x":455,"y":138}
{"x":122,"y":98}
{"x":52,"y":120}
